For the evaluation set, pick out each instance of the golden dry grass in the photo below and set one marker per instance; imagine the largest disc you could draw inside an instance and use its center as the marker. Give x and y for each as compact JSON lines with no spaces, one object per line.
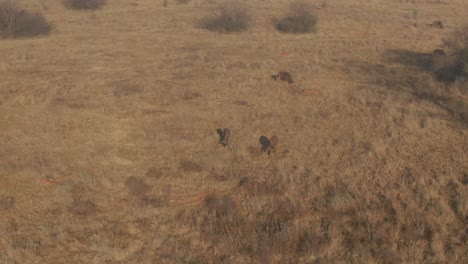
{"x":109,"y":151}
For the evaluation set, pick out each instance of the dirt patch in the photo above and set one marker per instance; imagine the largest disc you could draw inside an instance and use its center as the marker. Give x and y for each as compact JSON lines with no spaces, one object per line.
{"x":123,"y":90}
{"x":190,"y":166}
{"x":137,"y":186}
{"x":155,"y":173}
{"x":7,"y":202}
{"x":83,"y":208}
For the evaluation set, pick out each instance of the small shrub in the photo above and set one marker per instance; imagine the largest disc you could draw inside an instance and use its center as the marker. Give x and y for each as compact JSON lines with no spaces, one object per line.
{"x":415,"y":13}
{"x":300,"y":19}
{"x":182,"y":2}
{"x":297,"y":24}
{"x":84,"y":4}
{"x":15,"y":22}
{"x":232,"y":16}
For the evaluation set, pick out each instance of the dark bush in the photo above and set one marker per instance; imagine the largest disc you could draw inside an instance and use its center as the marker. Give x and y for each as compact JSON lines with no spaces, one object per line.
{"x":297,"y":24}
{"x":182,"y":2}
{"x":84,"y":4}
{"x":300,"y":19}
{"x":232,"y":16}
{"x":15,"y":22}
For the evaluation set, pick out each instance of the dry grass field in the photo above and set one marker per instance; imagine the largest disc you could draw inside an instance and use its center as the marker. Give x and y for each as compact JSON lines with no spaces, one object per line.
{"x":109,"y":151}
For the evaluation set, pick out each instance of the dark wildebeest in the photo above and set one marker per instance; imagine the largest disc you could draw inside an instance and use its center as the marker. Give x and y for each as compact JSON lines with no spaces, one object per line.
{"x":439,"y":52}
{"x":224,"y":135}
{"x":268,"y":145}
{"x":283,"y":76}
{"x":437,"y":24}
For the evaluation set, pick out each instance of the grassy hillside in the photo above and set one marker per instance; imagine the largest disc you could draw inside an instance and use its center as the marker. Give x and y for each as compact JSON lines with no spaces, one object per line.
{"x":109,"y":151}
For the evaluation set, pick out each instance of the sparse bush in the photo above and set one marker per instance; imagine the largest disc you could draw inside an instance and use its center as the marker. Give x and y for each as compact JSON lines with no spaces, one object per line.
{"x":84,"y":4}
{"x":182,"y":2}
{"x":232,"y":16}
{"x":297,"y":24}
{"x":300,"y":19}
{"x":15,"y":22}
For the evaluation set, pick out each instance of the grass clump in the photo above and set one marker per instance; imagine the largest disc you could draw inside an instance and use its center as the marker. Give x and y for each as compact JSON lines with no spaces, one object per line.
{"x":84,"y":4}
{"x":15,"y":22}
{"x":231,"y":16}
{"x":300,"y":19}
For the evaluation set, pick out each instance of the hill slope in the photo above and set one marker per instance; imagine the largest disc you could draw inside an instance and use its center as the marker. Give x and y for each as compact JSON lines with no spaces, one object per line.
{"x":109,"y":151}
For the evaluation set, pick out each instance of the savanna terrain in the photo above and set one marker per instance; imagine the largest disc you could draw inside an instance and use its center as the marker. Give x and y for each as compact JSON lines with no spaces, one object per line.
{"x":109,"y":151}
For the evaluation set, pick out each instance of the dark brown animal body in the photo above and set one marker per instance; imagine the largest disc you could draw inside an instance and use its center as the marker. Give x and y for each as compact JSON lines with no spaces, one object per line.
{"x":268,"y":145}
{"x":437,"y":24}
{"x":224,"y":135}
{"x":283,"y":76}
{"x":439,"y":52}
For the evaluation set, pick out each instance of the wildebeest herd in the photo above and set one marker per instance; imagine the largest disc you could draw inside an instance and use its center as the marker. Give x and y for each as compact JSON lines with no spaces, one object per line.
{"x":268,"y":145}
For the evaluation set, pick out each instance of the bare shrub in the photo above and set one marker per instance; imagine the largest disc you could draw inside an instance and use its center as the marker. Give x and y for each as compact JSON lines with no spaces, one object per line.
{"x":300,"y":19}
{"x":232,"y":16}
{"x":84,"y":4}
{"x":182,"y":2}
{"x":9,"y":11}
{"x":15,"y":22}
{"x":151,"y":201}
{"x":220,"y":206}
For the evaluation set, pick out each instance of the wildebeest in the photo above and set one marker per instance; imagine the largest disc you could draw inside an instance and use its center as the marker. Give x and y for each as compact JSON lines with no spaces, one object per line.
{"x":268,"y":145}
{"x":283,"y":76}
{"x":224,"y":135}
{"x":437,"y":24}
{"x":439,"y":52}
{"x":273,"y":142}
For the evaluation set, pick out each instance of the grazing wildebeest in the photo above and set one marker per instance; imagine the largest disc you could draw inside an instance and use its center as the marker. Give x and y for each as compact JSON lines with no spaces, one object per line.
{"x":224,"y":135}
{"x":283,"y":76}
{"x":437,"y":24}
{"x":439,"y":52}
{"x":268,"y":145}
{"x":273,"y":142}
